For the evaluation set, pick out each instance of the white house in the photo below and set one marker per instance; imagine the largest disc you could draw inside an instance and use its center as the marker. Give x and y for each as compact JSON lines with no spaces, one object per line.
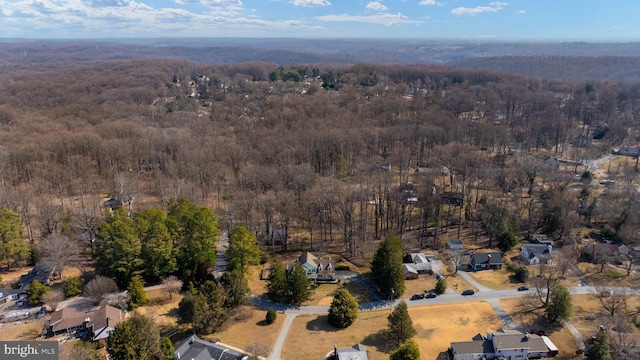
{"x":504,"y":344}
{"x":534,"y":254}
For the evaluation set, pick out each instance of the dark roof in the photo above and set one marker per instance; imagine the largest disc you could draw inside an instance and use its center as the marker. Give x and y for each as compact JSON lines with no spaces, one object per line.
{"x":483,"y":258}
{"x":455,"y":244}
{"x":41,"y":272}
{"x":472,"y":347}
{"x":197,"y":349}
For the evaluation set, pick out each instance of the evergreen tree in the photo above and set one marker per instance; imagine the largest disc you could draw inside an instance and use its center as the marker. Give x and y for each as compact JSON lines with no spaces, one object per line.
{"x":195,"y":231}
{"x":12,"y":246}
{"x":166,"y":346}
{"x":298,"y":285}
{"x":118,"y":248}
{"x":560,"y":306}
{"x":601,"y":348}
{"x":203,"y":309}
{"x":243,"y":249}
{"x":277,"y":281}
{"x":386,"y":267}
{"x":136,"y":292}
{"x":35,"y":292}
{"x":409,"y":350}
{"x":157,"y":250}
{"x":271,"y":316}
{"x":135,"y":339}
{"x":400,"y":324}
{"x":441,"y":286}
{"x":72,"y":286}
{"x":344,"y":309}
{"x":236,"y":288}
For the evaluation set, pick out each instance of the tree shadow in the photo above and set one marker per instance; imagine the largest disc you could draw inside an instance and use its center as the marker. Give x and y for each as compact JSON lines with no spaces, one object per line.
{"x":444,"y":355}
{"x":379,"y":341}
{"x":321,"y":323}
{"x":263,"y":323}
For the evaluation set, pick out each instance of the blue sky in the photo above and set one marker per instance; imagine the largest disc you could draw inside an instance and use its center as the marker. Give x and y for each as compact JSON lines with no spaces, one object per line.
{"x":535,"y":20}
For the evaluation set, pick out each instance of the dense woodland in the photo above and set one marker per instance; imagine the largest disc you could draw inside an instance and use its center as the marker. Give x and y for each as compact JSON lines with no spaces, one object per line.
{"x":322,"y":157}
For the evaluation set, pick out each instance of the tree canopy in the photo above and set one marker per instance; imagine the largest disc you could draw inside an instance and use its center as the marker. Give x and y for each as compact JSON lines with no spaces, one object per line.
{"x":560,"y":307}
{"x":138,"y":338}
{"x":243,"y":249}
{"x":386,"y":267}
{"x":13,"y":248}
{"x":400,"y":324}
{"x":343,"y":310}
{"x":288,"y":285}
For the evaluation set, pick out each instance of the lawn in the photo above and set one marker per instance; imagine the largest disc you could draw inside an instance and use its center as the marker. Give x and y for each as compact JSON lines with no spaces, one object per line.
{"x":251,"y":329}
{"x":610,"y":275}
{"x":457,"y":283}
{"x":496,"y":279}
{"x":437,"y":326}
{"x":161,"y":309}
{"x":421,"y":285}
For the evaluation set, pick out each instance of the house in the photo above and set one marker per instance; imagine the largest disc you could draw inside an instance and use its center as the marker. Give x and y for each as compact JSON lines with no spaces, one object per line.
{"x":455,"y":244}
{"x":628,"y":151}
{"x":551,"y":163}
{"x":504,"y":344}
{"x":541,"y":239}
{"x":608,"y":252}
{"x":418,"y":262}
{"x":356,"y":352}
{"x":318,"y":269}
{"x":118,"y":200}
{"x":534,"y":254}
{"x":96,"y":324}
{"x":409,"y":272}
{"x":41,"y":272}
{"x":452,"y":198}
{"x":486,"y":261}
{"x":194,"y":348}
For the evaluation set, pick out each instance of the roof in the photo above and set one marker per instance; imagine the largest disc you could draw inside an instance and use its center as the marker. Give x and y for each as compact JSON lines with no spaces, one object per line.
{"x":483,"y":258}
{"x":96,"y":320}
{"x":311,"y":262}
{"x":472,"y":347}
{"x":513,"y":339}
{"x":408,"y":268}
{"x":194,"y":348}
{"x":455,"y":244}
{"x":356,"y":352}
{"x":41,"y":272}
{"x":419,"y":261}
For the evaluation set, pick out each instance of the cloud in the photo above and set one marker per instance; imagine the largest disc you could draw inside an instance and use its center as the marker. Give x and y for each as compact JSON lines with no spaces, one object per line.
{"x":494,"y":7}
{"x":429,"y":2}
{"x":382,"y":19}
{"x":376,"y":6}
{"x":310,"y":3}
{"x":522,"y":11}
{"x":212,"y":3}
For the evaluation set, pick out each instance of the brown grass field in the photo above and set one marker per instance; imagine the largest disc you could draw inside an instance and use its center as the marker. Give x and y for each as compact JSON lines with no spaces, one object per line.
{"x":496,"y":279}
{"x":437,"y":326}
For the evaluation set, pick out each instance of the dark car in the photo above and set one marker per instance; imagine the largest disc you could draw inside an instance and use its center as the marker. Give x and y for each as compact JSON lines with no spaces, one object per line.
{"x":468,"y":292}
{"x":417,"y":297}
{"x":431,"y":295}
{"x":523,"y":288}
{"x":537,"y":332}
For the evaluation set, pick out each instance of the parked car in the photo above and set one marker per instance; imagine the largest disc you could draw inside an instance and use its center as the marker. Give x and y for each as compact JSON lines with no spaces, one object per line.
{"x":468,"y":292}
{"x":21,"y":302}
{"x":537,"y":332}
{"x":523,"y":288}
{"x":438,"y":276}
{"x":417,"y":297}
{"x":431,"y":295}
{"x":42,"y":312}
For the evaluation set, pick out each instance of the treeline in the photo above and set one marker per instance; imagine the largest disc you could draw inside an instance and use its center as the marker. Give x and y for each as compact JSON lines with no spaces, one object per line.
{"x":311,"y":162}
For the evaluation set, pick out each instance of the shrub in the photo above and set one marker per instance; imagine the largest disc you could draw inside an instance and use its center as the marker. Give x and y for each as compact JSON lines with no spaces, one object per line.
{"x":342,"y":268}
{"x":72,"y":286}
{"x":35,"y":292}
{"x":521,"y":273}
{"x":271,"y":316}
{"x":441,"y":286}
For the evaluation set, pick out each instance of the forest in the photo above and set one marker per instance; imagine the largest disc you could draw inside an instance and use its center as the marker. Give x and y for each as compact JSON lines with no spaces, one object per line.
{"x":320,"y":157}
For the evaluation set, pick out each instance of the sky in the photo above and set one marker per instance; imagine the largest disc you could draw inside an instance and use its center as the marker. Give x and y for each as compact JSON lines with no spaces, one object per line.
{"x":533,"y":20}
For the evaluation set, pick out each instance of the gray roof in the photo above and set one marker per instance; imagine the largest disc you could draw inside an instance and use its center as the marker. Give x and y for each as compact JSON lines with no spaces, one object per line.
{"x":194,"y":348}
{"x":356,"y":352}
{"x":472,"y":347}
{"x":483,"y":258}
{"x":41,"y":272}
{"x":513,"y":339}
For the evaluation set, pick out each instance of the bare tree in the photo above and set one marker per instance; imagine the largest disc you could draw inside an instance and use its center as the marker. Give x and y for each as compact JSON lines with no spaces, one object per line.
{"x":548,"y":277}
{"x":172,"y":285}
{"x":57,"y":250}
{"x":98,"y":288}
{"x":630,"y":264}
{"x":52,"y":298}
{"x":456,"y":257}
{"x":613,"y":300}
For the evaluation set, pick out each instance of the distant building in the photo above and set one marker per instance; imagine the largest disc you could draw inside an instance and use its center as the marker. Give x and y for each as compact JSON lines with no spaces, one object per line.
{"x":356,"y":352}
{"x":318,"y":269}
{"x":455,"y":244}
{"x":534,"y":254}
{"x":41,"y":272}
{"x":95,"y":324}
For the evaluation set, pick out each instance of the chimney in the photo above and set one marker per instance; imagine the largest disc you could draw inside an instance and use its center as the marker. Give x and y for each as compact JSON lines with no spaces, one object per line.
{"x":335,"y":351}
{"x":489,"y":261}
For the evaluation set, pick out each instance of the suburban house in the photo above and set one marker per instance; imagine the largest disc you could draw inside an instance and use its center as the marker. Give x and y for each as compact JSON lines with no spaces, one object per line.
{"x":41,"y":272}
{"x":608,"y":252}
{"x":418,"y":263}
{"x":356,"y":352}
{"x":534,"y":254}
{"x":318,"y":269}
{"x":410,"y":273}
{"x":455,"y":244}
{"x":97,"y":324}
{"x":195,"y":348}
{"x":541,"y":239}
{"x":551,"y":163}
{"x":504,"y":344}
{"x":628,"y":151}
{"x":117,"y":200}
{"x":485,"y":261}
